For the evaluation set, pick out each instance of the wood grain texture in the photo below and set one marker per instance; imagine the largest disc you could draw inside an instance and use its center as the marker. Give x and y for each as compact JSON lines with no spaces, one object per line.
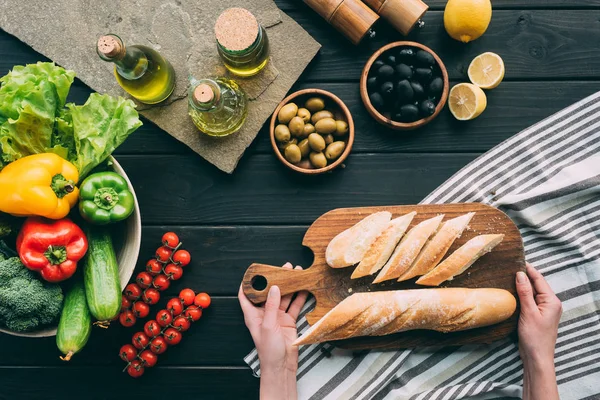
{"x":330,"y":286}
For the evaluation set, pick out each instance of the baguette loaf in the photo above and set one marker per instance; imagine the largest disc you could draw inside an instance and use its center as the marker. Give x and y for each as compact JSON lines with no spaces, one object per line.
{"x":350,"y":246}
{"x":460,"y":260}
{"x":383,"y":247}
{"x":408,"y":249}
{"x":383,"y":313}
{"x":437,"y":247}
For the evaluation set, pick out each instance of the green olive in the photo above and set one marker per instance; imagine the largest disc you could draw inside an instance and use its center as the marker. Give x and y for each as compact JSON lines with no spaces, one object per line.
{"x":320,"y":115}
{"x":341,"y":128}
{"x":315,"y":104}
{"x":287,"y":112}
{"x":308,"y":129}
{"x":304,"y":114}
{"x":328,"y":139}
{"x":304,"y":148}
{"x":316,"y":142}
{"x":293,"y":154}
{"x":325,"y":126}
{"x":318,"y":160}
{"x":296,"y":126}
{"x":282,"y":133}
{"x":334,"y":150}
{"x":305,"y":164}
{"x":283,"y":145}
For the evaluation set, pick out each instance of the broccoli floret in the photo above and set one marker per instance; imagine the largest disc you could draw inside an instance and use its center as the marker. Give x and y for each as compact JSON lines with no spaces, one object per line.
{"x":26,"y":302}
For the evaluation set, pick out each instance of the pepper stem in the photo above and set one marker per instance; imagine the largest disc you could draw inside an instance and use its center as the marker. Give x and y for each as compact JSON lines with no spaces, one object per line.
{"x":56,"y":254}
{"x":106,"y":198}
{"x":62,"y":186}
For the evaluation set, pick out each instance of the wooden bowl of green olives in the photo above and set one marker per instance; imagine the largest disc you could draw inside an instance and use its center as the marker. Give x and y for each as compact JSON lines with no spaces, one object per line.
{"x":404,"y":85}
{"x":312,"y":131}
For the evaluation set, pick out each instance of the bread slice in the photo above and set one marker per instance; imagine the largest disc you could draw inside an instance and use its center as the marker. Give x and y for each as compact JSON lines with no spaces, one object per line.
{"x":408,"y":249}
{"x":383,"y":247}
{"x":350,"y":246}
{"x":438,"y":246}
{"x":461,"y":259}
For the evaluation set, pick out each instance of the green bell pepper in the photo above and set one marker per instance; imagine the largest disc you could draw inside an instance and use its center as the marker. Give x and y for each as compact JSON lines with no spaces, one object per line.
{"x":104,"y":198}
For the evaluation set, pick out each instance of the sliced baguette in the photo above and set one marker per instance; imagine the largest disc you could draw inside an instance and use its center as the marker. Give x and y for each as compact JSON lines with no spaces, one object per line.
{"x":460,"y":260}
{"x":438,"y":246}
{"x":408,"y":249}
{"x":350,"y":246}
{"x":383,"y":247}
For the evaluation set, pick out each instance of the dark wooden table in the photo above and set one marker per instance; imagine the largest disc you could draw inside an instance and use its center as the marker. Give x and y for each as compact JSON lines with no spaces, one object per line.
{"x":551,"y":49}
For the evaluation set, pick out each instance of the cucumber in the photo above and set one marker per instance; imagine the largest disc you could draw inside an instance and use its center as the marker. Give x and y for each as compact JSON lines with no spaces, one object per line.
{"x":101,"y":276}
{"x":75,"y":323}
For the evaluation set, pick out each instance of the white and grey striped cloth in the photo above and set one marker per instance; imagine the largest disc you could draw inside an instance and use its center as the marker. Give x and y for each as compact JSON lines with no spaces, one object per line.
{"x":547,"y":179}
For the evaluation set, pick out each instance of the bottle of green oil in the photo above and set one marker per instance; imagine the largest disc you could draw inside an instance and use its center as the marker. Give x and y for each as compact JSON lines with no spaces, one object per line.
{"x":140,"y":70}
{"x":218,"y":107}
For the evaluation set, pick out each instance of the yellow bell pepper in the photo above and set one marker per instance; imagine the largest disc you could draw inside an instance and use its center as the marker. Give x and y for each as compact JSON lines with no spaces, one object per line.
{"x":41,"y":184}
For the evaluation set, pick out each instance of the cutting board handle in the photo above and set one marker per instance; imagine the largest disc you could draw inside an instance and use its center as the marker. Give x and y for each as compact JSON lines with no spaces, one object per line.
{"x":259,"y":278}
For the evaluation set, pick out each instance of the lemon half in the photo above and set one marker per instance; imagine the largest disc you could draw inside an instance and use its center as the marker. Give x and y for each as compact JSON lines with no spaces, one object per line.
{"x":466,"y":101}
{"x":486,"y":70}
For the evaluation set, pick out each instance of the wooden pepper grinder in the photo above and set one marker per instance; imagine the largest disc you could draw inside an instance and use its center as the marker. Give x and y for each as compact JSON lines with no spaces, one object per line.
{"x":351,"y":17}
{"x":402,"y":14}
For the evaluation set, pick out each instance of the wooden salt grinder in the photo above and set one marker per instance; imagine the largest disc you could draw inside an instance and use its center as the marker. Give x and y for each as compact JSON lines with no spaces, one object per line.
{"x":402,"y":14}
{"x":351,"y":17}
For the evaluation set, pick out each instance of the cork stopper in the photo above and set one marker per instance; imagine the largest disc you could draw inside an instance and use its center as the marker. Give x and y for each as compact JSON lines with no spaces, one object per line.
{"x":111,"y":47}
{"x":236,"y":29}
{"x":203,"y":93}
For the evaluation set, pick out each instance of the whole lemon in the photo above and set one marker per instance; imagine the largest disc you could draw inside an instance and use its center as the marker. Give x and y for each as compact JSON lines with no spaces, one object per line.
{"x":467,"y":20}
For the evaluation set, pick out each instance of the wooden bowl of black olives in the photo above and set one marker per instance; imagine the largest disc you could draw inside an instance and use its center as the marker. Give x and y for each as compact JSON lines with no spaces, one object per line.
{"x":404,"y":85}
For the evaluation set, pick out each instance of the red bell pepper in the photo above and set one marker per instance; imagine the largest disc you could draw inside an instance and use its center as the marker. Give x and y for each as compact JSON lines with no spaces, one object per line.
{"x":51,"y":247}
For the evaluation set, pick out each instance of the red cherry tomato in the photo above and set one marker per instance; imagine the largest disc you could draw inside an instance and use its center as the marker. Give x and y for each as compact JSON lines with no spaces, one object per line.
{"x":127,"y":318}
{"x":175,"y":307}
{"x":144,"y":280}
{"x":164,"y":318}
{"x":140,"y":340}
{"x":151,"y":296}
{"x":173,"y":271}
{"x":158,"y":345}
{"x":202,"y":300}
{"x":125,"y":303}
{"x":187,"y":297}
{"x":163,"y":254}
{"x":151,"y":328}
{"x":194,"y":313}
{"x":127,"y":352}
{"x":170,"y":239}
{"x":181,"y":323}
{"x":133,"y":291}
{"x":161,"y":282}
{"x":154,"y":267}
{"x":148,"y":358}
{"x":182,"y":257}
{"x":172,"y":336}
{"x":135,"y":369}
{"x":140,"y":309}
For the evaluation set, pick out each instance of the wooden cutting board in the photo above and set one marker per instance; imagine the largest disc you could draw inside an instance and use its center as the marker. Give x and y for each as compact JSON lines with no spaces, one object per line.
{"x":330,"y":286}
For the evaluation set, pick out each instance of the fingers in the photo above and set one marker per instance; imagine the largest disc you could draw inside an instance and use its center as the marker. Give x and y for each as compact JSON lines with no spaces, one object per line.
{"x":272,"y":308}
{"x":287,"y":299}
{"x":247,"y":306}
{"x":525,"y":292}
{"x":297,"y":304}
{"x":539,"y":283}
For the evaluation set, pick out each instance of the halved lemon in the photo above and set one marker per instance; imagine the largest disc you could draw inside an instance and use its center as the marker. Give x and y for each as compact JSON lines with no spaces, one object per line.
{"x":466,"y":101}
{"x":486,"y":70}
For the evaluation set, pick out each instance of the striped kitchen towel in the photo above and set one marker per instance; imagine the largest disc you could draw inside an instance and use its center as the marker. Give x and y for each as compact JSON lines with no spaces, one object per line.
{"x":547,"y":179}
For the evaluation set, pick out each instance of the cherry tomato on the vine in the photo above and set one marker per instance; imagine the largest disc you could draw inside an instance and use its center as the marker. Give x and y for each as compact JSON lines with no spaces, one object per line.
{"x":187,"y":297}
{"x":151,"y":328}
{"x":133,"y":291}
{"x":163,"y":254}
{"x":174,"y":306}
{"x":151,"y":296}
{"x":172,"y":336}
{"x":164,"y":318}
{"x":127,"y":352}
{"x":135,"y":369}
{"x":170,"y":239}
{"x":181,"y":323}
{"x":140,"y":340}
{"x":127,"y":318}
{"x":202,"y":300}
{"x":144,"y":280}
{"x":158,"y":345}
{"x":182,"y":257}
{"x":125,"y":303}
{"x":173,"y":271}
{"x":141,"y":309}
{"x":148,"y":358}
{"x":154,"y":267}
{"x":193,"y":312}
{"x":161,"y":282}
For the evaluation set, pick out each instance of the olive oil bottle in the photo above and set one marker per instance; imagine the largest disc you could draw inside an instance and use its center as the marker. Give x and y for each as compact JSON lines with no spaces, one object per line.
{"x":140,"y":70}
{"x":218,"y":107}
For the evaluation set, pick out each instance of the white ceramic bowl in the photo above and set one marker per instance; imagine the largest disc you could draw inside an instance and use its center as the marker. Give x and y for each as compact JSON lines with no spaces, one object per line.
{"x":127,"y":248}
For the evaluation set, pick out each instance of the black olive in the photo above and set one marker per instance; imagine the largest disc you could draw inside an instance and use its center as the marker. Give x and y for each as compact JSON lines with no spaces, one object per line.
{"x":376,"y":100}
{"x":403,"y":71}
{"x":397,"y":117}
{"x":424,"y":58}
{"x":423,"y":74}
{"x":385,"y":73}
{"x":376,"y":65}
{"x":372,"y":84}
{"x":404,"y":91}
{"x":435,"y":87}
{"x":410,"y":113}
{"x":387,"y":90}
{"x":418,"y":90}
{"x":391,"y":59}
{"x":426,"y":108}
{"x":406,"y":55}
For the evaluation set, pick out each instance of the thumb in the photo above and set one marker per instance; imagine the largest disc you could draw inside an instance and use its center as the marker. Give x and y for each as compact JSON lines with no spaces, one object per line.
{"x":272,"y":307}
{"x":525,"y":292}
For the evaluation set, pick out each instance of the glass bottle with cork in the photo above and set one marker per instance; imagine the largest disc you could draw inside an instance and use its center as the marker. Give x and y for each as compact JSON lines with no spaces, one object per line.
{"x":218,"y":107}
{"x":140,"y":70}
{"x":242,"y":42}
